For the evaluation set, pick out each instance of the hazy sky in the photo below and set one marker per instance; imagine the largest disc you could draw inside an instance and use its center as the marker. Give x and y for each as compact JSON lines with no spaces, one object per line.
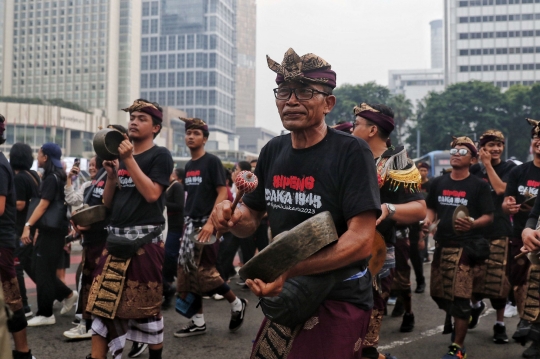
{"x":361,"y":39}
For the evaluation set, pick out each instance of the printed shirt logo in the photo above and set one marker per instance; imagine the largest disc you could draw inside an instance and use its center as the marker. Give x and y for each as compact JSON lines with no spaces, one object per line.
{"x":531,"y":189}
{"x":453,"y":198}
{"x":193,"y":178}
{"x":98,"y":189}
{"x":299,"y":199}
{"x":125,"y":178}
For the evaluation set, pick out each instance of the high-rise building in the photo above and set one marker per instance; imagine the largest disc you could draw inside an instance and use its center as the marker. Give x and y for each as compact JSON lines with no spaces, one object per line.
{"x":2,"y":15}
{"x":188,"y":62}
{"x":494,"y":41}
{"x":83,"y":51}
{"x":416,"y":84}
{"x":436,"y":44}
{"x":246,"y":28}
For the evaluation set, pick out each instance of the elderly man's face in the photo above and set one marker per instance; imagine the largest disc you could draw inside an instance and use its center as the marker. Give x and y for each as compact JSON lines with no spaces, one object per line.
{"x":298,"y":115}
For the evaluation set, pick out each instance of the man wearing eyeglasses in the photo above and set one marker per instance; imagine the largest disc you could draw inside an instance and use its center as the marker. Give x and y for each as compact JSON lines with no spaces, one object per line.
{"x":522,"y":187}
{"x":311,"y":170}
{"x":452,"y":266}
{"x":402,"y":204}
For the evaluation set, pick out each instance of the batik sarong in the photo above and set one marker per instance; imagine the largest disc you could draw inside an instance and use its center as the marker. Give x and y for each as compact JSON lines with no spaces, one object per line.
{"x":490,"y":277}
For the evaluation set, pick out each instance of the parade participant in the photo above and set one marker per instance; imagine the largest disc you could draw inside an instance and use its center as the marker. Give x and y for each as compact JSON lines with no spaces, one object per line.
{"x":491,"y":279}
{"x":26,"y":187}
{"x":175,"y":195}
{"x":135,"y":193}
{"x":523,"y":183}
{"x":310,"y":170}
{"x":49,"y":247}
{"x":424,"y":168}
{"x":8,"y":277}
{"x":402,"y":204}
{"x":454,"y":258}
{"x":197,"y":273}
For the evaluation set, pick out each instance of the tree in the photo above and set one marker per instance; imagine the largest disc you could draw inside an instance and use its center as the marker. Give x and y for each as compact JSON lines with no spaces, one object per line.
{"x":403,"y":110}
{"x":349,"y":96}
{"x":463,"y":109}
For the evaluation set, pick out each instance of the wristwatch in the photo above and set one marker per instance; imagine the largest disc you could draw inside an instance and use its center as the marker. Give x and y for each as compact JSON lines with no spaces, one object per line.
{"x":27,"y":224}
{"x":391,"y":210}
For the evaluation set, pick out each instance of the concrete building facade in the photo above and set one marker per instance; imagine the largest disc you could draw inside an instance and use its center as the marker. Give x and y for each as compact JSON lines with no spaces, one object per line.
{"x":83,"y":51}
{"x":437,"y":54}
{"x":188,"y":60}
{"x":253,"y":139}
{"x":495,"y":41}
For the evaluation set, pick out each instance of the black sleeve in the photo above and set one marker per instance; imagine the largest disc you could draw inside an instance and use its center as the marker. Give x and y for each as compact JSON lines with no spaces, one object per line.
{"x":359,"y":189}
{"x":512,"y":184}
{"x":20,"y":188}
{"x":4,"y":183}
{"x":431,"y":200}
{"x":162,"y":167}
{"x":217,"y":173}
{"x":485,"y":204}
{"x":511,"y":166}
{"x":49,"y":188}
{"x":177,"y":204}
{"x":256,"y":199}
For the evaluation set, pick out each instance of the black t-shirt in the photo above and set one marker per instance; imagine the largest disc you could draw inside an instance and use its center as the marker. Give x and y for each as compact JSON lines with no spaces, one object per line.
{"x":50,"y":186}
{"x":203,"y":176}
{"x":93,"y":196}
{"x":523,"y":179}
{"x":501,"y":225}
{"x":129,"y":208}
{"x":337,"y":175}
{"x":175,"y":207}
{"x":26,"y":188}
{"x":446,"y":194}
{"x":424,"y":187}
{"x":7,"y":189}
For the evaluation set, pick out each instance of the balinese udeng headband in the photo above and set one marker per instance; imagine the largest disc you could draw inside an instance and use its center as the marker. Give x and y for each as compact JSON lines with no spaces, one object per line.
{"x":145,"y":107}
{"x":377,"y":117}
{"x":465,"y":141}
{"x":491,"y":135}
{"x":195,"y":123}
{"x":343,"y":127}
{"x":308,"y":68}
{"x":423,"y":165}
{"x":535,"y":131}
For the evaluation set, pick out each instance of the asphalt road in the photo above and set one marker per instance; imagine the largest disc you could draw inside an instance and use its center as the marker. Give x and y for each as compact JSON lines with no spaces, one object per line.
{"x":425,"y":342}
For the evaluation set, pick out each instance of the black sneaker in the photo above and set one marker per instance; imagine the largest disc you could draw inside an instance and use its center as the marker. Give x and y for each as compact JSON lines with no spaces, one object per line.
{"x":407,"y":325}
{"x":499,"y":334}
{"x":137,"y":349}
{"x":399,"y":309}
{"x":420,"y":288}
{"x":475,"y":315}
{"x":20,"y":355}
{"x":522,"y":331}
{"x":532,"y":352}
{"x":237,"y":318}
{"x":190,"y":330}
{"x":28,"y":311}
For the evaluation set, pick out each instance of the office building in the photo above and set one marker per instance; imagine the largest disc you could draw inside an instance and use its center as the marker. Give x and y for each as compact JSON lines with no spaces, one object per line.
{"x":83,"y":51}
{"x":495,"y":41}
{"x":246,"y":29}
{"x":2,"y":15}
{"x":416,"y":84}
{"x":253,"y":139}
{"x":188,"y":61}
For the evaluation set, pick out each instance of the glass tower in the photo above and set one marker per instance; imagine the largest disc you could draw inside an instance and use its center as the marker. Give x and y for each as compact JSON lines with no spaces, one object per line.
{"x":188,"y":58}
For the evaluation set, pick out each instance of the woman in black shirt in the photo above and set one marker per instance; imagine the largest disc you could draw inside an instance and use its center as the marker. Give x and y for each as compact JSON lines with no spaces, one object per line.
{"x":50,"y":243}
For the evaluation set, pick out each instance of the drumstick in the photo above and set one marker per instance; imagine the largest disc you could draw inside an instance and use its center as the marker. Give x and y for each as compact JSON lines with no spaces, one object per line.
{"x":522,"y":254}
{"x":245,"y":182}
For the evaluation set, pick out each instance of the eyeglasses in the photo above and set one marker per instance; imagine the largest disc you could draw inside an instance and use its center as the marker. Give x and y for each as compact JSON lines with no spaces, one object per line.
{"x":460,"y":151}
{"x":302,"y":94}
{"x":354,"y":125}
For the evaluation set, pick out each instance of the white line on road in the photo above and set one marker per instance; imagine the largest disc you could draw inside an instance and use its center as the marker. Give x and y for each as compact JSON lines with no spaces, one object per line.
{"x":426,"y":334}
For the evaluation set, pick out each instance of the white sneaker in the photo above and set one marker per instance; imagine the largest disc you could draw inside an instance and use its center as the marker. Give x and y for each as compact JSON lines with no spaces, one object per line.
{"x":218,"y":297}
{"x":79,"y":332}
{"x":69,"y":303}
{"x":41,"y":320}
{"x":510,"y":311}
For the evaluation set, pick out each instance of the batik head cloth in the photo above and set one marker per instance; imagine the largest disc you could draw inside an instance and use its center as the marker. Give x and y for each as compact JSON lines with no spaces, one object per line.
{"x":535,"y":131}
{"x":343,"y":127}
{"x":491,"y":135}
{"x":465,"y":141}
{"x":380,"y":119}
{"x":308,"y":68}
{"x":145,"y":107}
{"x":195,"y":124}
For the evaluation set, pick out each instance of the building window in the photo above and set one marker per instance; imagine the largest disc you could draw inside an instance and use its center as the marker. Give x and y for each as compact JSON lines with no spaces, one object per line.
{"x":144,"y":62}
{"x":153,"y":81}
{"x":463,"y":52}
{"x":190,"y":63}
{"x":145,"y":27}
{"x":172,"y":43}
{"x":181,"y":61}
{"x":463,"y":68}
{"x":153,"y":62}
{"x":144,"y":81}
{"x":201,"y":60}
{"x":144,"y":44}
{"x":162,"y":97}
{"x":179,"y":98}
{"x":201,"y":78}
{"x":212,"y":78}
{"x":212,"y":97}
{"x":190,"y":42}
{"x":153,"y":44}
{"x":171,"y":79}
{"x":170,"y":98}
{"x":162,"y":61}
{"x":200,"y":97}
{"x":180,"y":79}
{"x":162,"y":80}
{"x":189,"y":97}
{"x":163,"y":43}
{"x":155,"y":8}
{"x":181,"y":42}
{"x":154,"y":26}
{"x":146,"y":9}
{"x":190,"y":81}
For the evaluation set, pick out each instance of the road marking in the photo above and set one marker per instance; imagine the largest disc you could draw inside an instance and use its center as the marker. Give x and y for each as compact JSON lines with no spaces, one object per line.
{"x":423,"y":335}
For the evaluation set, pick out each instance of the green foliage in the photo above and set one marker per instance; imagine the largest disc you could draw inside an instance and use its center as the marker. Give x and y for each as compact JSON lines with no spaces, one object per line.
{"x":38,"y":101}
{"x":403,"y":110}
{"x":349,"y":96}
